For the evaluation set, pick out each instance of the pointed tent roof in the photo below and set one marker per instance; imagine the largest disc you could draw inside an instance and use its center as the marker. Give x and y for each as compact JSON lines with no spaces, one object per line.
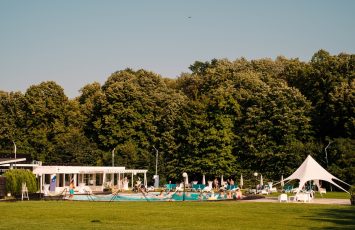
{"x":311,"y":170}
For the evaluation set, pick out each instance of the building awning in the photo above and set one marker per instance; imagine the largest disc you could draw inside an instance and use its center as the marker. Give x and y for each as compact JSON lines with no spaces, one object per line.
{"x":39,"y":170}
{"x":11,"y":160}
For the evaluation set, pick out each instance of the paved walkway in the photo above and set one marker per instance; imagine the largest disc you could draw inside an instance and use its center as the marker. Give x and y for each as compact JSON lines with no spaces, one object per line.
{"x":314,"y":201}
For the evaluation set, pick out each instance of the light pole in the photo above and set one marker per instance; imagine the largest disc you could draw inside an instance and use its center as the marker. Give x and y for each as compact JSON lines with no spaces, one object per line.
{"x":156,"y":160}
{"x":15,"y":148}
{"x":326,"y":158}
{"x":256,"y":185}
{"x":113,"y":157}
{"x":156,"y":176}
{"x":326,"y":153}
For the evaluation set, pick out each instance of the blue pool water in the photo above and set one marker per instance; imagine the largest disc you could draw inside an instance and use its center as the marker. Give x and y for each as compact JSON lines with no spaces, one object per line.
{"x":188,"y":196}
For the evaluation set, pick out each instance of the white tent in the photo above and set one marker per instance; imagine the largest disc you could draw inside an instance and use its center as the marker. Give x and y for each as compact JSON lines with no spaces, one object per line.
{"x":311,"y":170}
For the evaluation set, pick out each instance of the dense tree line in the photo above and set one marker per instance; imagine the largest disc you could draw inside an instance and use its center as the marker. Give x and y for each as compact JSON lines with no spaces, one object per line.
{"x":223,"y":118}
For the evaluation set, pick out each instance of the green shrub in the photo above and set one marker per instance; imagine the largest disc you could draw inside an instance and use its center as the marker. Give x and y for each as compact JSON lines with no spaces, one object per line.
{"x":15,"y":178}
{"x":352,"y":190}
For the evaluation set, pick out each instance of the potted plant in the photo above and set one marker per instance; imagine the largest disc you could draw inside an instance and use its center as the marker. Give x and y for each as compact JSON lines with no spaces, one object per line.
{"x":352,"y":194}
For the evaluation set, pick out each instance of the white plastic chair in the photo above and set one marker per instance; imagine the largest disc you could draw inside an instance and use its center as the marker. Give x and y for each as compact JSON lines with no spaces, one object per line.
{"x":305,"y":197}
{"x":207,"y":188}
{"x":180,"y":188}
{"x":283,"y":198}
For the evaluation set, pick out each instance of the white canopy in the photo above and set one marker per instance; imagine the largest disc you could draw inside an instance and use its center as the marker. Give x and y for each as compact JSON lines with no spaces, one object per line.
{"x":311,"y":170}
{"x":81,"y":169}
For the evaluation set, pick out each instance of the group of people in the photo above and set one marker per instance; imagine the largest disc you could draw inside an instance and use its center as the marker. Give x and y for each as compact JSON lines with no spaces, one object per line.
{"x":223,"y":186}
{"x":234,"y":194}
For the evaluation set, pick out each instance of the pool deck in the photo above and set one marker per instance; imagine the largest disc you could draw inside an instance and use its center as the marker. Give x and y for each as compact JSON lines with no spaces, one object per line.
{"x":313,"y":201}
{"x":270,"y":200}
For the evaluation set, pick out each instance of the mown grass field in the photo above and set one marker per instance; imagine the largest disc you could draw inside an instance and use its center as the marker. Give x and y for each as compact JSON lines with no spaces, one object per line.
{"x":173,"y":215}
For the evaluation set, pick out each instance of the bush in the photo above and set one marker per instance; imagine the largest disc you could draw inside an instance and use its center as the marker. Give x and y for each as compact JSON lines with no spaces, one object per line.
{"x":15,"y":178}
{"x":352,"y":190}
{"x":352,"y":194}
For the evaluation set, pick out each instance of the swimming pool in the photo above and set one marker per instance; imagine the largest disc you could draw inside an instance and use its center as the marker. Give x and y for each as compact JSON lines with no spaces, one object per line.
{"x":152,"y":196}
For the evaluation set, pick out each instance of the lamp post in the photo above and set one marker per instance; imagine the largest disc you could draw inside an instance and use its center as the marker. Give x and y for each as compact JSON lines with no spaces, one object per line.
{"x":15,"y":148}
{"x":156,"y":176}
{"x":256,"y":185}
{"x":326,"y":153}
{"x":113,"y":157}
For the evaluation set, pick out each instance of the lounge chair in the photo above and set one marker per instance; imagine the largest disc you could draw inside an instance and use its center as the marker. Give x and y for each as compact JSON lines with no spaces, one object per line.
{"x":207,"y":188}
{"x":170,"y":187}
{"x":198,"y":187}
{"x":231,"y":187}
{"x":180,"y":188}
{"x":287,"y":188}
{"x":56,"y":195}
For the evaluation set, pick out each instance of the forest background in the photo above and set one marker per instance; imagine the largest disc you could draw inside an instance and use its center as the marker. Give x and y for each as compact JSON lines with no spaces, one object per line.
{"x":224,"y":118}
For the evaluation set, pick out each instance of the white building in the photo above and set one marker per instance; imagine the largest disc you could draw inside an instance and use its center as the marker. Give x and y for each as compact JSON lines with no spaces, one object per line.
{"x":92,"y":178}
{"x":86,"y":178}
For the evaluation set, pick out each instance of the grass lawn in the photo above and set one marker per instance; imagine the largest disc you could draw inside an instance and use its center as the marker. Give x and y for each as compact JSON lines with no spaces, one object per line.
{"x":173,"y":215}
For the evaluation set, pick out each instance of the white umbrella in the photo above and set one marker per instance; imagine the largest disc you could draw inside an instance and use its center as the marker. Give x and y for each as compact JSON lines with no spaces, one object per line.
{"x":241,"y":181}
{"x":203,"y":179}
{"x":222,"y":182}
{"x":270,"y":185}
{"x":186,"y":177}
{"x":282,"y":181}
{"x":261,"y":180}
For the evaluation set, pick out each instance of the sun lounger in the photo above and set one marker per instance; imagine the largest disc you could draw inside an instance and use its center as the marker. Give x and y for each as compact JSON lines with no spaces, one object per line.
{"x":198,"y":187}
{"x":231,"y":187}
{"x":287,"y":188}
{"x":170,"y":187}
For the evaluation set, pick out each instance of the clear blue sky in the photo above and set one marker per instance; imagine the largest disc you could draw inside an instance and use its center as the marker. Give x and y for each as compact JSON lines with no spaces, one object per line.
{"x":74,"y":42}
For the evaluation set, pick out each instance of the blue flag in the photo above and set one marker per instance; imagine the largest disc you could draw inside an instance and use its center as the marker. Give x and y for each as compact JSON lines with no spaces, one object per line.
{"x":53,"y":184}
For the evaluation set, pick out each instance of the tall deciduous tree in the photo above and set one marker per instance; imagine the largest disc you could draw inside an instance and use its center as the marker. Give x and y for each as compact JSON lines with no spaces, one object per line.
{"x":46,"y":110}
{"x":11,"y":121}
{"x":328,"y":82}
{"x":135,"y":112}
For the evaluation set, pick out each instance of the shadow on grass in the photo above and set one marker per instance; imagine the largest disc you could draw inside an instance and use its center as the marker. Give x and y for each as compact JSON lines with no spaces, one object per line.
{"x":342,"y":218}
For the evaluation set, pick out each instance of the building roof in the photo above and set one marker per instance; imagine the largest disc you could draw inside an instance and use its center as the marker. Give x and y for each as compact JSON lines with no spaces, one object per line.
{"x":11,"y":160}
{"x":83,"y":170}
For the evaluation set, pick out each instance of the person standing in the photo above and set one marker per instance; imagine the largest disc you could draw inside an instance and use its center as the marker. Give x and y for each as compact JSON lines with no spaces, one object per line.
{"x":71,"y":188}
{"x":215,"y":184}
